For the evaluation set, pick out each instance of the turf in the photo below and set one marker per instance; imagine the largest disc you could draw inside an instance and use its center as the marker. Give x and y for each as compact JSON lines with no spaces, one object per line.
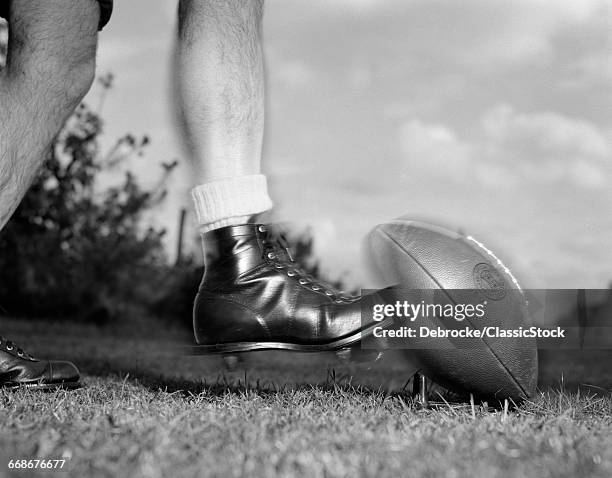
{"x":145,"y":411}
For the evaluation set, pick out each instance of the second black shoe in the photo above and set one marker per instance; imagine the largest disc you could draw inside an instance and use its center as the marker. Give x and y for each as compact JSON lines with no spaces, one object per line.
{"x":19,"y":369}
{"x":254,"y":297}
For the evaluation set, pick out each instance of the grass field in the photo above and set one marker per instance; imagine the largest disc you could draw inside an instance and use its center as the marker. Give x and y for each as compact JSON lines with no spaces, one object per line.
{"x":147,"y":412}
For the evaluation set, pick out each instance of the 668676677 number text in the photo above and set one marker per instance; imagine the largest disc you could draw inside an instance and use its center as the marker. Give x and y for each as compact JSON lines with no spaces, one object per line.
{"x":36,"y":464}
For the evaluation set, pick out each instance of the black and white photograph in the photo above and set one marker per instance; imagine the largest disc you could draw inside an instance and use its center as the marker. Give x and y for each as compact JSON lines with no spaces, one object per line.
{"x":306,"y":238}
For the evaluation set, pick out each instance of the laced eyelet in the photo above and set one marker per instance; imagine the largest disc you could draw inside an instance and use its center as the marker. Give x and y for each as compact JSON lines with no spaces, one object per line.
{"x":272,"y":251}
{"x":10,"y":346}
{"x":339,"y":301}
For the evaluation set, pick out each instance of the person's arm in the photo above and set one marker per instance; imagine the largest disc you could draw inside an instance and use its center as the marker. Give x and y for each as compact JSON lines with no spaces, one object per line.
{"x":50,"y":66}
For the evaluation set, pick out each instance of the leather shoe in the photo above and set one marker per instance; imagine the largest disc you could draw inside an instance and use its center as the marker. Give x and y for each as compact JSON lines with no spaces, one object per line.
{"x":20,"y":369}
{"x":254,"y":296}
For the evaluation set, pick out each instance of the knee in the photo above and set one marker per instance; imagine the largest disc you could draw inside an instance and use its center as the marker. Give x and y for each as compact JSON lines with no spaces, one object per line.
{"x":64,"y":78}
{"x":74,"y":77}
{"x":51,"y":49}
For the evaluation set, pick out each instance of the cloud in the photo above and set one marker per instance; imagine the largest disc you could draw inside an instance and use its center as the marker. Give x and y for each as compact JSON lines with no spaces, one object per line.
{"x":547,"y":132}
{"x":510,"y":32}
{"x":433,"y":146}
{"x":592,"y":70}
{"x":354,"y":6}
{"x":291,"y":73}
{"x":570,"y":9}
{"x":540,"y":147}
{"x":548,"y":147}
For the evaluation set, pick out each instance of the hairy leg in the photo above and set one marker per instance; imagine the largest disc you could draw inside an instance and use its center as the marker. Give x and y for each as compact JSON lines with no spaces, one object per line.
{"x":50,"y":67}
{"x":253,"y":295}
{"x":220,"y":80}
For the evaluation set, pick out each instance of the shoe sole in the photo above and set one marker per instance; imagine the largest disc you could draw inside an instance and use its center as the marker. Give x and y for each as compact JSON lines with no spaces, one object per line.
{"x":243,"y":347}
{"x":42,"y":386}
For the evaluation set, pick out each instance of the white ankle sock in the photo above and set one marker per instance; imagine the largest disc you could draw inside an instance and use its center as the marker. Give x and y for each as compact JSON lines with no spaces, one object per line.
{"x":231,"y":201}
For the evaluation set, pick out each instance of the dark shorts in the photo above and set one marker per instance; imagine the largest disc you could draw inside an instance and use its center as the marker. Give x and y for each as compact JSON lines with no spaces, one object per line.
{"x":106,"y":8}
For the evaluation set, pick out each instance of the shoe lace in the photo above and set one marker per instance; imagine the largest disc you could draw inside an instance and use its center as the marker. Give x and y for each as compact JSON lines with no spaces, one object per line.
{"x":12,"y":347}
{"x":276,"y":246}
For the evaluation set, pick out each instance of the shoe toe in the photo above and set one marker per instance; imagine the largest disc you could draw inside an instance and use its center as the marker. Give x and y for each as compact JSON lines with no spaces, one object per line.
{"x":62,"y":372}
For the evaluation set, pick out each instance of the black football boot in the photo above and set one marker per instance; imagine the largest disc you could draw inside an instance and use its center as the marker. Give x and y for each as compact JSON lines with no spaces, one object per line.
{"x":255,"y":297}
{"x":20,"y":369}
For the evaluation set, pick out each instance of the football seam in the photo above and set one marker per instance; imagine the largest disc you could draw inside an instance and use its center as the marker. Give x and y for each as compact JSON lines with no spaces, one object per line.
{"x":508,"y":373}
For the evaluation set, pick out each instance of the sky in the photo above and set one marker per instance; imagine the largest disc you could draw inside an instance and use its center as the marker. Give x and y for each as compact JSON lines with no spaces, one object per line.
{"x":493,"y":117}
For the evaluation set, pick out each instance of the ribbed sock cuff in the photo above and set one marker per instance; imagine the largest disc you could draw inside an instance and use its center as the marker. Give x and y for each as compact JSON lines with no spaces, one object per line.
{"x":230,"y":201}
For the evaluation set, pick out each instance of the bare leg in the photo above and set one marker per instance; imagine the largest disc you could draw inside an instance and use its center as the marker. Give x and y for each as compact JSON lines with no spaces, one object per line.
{"x":221,"y":85}
{"x":220,"y":82}
{"x":49,"y":69}
{"x":253,"y":295}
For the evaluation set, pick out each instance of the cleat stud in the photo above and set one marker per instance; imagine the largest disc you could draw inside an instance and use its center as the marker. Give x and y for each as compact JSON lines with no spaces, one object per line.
{"x":358,"y":355}
{"x":231,"y":362}
{"x":344,"y":355}
{"x":419,"y":390}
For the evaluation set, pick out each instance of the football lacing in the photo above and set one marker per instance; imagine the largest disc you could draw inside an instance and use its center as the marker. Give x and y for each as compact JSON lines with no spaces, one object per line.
{"x":275,"y":246}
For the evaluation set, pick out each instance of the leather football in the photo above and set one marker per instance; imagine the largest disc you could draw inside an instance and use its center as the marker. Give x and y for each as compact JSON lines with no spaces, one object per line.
{"x":419,"y":256}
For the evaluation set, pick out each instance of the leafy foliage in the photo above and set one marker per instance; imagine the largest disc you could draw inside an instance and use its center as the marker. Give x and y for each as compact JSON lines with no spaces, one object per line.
{"x":73,"y":249}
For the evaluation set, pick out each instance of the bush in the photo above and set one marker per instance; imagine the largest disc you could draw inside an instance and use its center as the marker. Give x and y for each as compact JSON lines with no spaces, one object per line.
{"x":73,"y":249}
